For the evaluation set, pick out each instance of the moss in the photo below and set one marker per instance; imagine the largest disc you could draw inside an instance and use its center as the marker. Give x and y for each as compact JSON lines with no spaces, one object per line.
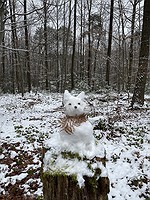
{"x":97,"y":172}
{"x":74,"y":178}
{"x":93,"y":182}
{"x":59,"y":173}
{"x":30,"y":171}
{"x":53,"y":173}
{"x":90,"y":167}
{"x":70,"y":155}
{"x":39,"y":198}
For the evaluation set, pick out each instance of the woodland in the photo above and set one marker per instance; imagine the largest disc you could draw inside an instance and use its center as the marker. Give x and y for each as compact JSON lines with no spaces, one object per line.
{"x":62,"y":44}
{"x":97,"y":46}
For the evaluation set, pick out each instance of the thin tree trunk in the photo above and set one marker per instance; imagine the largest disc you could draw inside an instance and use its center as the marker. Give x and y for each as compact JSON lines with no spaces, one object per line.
{"x":63,"y":67}
{"x":66,"y":45}
{"x":89,"y":64}
{"x":123,"y":45}
{"x":57,"y":61}
{"x":3,"y":65}
{"x":45,"y":44}
{"x":74,"y":46}
{"x":139,"y":90}
{"x":81,"y":44}
{"x":27,"y":47}
{"x":14,"y":56}
{"x":95,"y":63}
{"x":2,"y":12}
{"x":109,"y":43}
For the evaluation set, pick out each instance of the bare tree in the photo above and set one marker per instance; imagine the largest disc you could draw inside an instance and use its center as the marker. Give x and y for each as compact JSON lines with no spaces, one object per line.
{"x":109,"y":43}
{"x":57,"y":48}
{"x":27,"y":47}
{"x":74,"y":45}
{"x":17,"y":72}
{"x":139,"y":90}
{"x":123,"y":45}
{"x":81,"y":71}
{"x":89,"y":64}
{"x":69,"y":45}
{"x":2,"y":56}
{"x":46,"y":43}
{"x":97,"y":28}
{"x":66,"y":41}
{"x":2,"y":13}
{"x":131,"y":44}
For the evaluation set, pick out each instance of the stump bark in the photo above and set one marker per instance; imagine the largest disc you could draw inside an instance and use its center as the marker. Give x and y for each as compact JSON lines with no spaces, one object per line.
{"x":62,"y":187}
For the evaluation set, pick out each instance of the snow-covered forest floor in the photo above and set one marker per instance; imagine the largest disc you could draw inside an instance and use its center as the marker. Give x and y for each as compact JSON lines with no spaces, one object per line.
{"x":27,"y":122}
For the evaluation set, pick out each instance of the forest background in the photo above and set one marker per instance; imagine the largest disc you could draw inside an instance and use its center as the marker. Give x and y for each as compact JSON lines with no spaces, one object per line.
{"x":62,"y":44}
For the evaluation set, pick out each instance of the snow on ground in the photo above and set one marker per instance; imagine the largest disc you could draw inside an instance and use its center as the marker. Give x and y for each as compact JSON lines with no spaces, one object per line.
{"x":27,"y":122}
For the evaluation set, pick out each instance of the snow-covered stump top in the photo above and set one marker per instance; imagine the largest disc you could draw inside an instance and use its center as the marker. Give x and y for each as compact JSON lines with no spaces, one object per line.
{"x":75,"y":156}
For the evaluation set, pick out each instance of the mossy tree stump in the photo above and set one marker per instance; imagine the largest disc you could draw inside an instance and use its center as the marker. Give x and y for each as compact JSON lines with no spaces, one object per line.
{"x":61,"y":187}
{"x":60,"y":183}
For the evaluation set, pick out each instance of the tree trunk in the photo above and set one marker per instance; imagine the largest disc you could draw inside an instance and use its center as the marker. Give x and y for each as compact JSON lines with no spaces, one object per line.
{"x":57,"y":38}
{"x":81,"y":45}
{"x":63,"y":66}
{"x":74,"y":46}
{"x":131,"y":45}
{"x":109,"y":43}
{"x":15,"y":72}
{"x":16,"y":64}
{"x":2,"y":56}
{"x":45,"y":44}
{"x":2,"y":11}
{"x":123,"y":45}
{"x":67,"y":37}
{"x":82,"y":42}
{"x":95,"y":63}
{"x":89,"y":64}
{"x":3,"y":65}
{"x":139,"y":90}
{"x":27,"y":47}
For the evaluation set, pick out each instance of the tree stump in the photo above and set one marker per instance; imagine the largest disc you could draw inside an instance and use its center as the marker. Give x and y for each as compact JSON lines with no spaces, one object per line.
{"x":63,"y":187}
{"x":70,"y":176}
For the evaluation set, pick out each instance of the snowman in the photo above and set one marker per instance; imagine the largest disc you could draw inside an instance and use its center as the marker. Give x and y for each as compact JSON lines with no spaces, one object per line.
{"x":76,"y":130}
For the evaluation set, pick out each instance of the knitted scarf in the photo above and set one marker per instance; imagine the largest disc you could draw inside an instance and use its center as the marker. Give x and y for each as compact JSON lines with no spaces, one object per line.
{"x":68,"y":123}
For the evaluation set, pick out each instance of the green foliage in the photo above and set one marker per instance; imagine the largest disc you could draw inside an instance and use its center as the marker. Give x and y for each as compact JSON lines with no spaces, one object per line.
{"x":31,"y":133}
{"x":102,"y":125}
{"x":31,"y":171}
{"x":70,"y":155}
{"x":39,"y":198}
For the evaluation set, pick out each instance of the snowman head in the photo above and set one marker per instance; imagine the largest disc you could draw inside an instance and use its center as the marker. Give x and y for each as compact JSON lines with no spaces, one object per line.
{"x":74,"y":106}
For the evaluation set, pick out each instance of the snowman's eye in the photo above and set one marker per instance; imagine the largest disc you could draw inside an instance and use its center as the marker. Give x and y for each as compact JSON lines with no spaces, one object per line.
{"x":78,"y":103}
{"x":69,"y":104}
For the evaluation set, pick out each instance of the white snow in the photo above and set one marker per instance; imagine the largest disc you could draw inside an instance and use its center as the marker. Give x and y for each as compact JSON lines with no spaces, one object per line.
{"x":27,"y":123}
{"x":54,"y":162}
